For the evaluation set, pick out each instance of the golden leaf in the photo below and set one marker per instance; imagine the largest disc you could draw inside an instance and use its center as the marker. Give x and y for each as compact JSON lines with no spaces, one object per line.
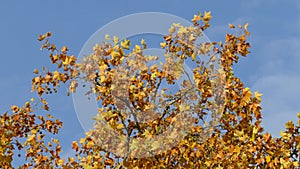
{"x":172,"y":29}
{"x":184,"y":107}
{"x":64,"y":49}
{"x":14,"y":108}
{"x":56,"y":141}
{"x":75,"y":146}
{"x":254,"y":132}
{"x":56,"y":75}
{"x":137,"y":48}
{"x":115,"y":40}
{"x":285,"y":135}
{"x":47,"y":78}
{"x":219,"y":167}
{"x":163,"y":45}
{"x":107,"y":37}
{"x":119,"y":126}
{"x":115,"y":54}
{"x":196,"y":18}
{"x":231,"y":26}
{"x":125,"y":44}
{"x":41,"y":37}
{"x":257,"y":95}
{"x":194,"y":56}
{"x":247,"y":95}
{"x":207,"y":16}
{"x":182,"y":30}
{"x":289,"y":124}
{"x":109,"y":162}
{"x":35,"y":71}
{"x":246,"y":26}
{"x":143,"y":42}
{"x":238,"y":133}
{"x":30,"y":138}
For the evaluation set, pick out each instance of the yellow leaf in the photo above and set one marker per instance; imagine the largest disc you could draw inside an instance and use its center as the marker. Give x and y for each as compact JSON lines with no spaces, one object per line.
{"x":194,"y":56}
{"x":125,"y":44}
{"x":34,"y":131}
{"x":143,"y":42}
{"x":238,"y":133}
{"x":247,"y":95}
{"x":30,"y":138}
{"x":213,"y":58}
{"x":49,"y":116}
{"x":155,"y":145}
{"x":146,"y":133}
{"x":41,"y":37}
{"x":119,"y":126}
{"x":298,"y":115}
{"x":182,"y":30}
{"x":67,"y":61}
{"x":35,"y":71}
{"x":285,"y":135}
{"x":82,"y":140}
{"x":196,"y":18}
{"x":257,"y":95}
{"x":64,"y":49}
{"x":207,"y":16}
{"x":208,"y":163}
{"x":176,"y":25}
{"x":137,"y":48}
{"x":102,"y":78}
{"x":247,"y":33}
{"x":75,"y":145}
{"x":246,"y":26}
{"x":172,"y":29}
{"x":37,"y":80}
{"x":184,"y":107}
{"x":219,"y":167}
{"x":86,"y":166}
{"x":254,"y":132}
{"x":14,"y":108}
{"x":56,"y":141}
{"x":44,"y":101}
{"x":284,"y":162}
{"x":56,"y":75}
{"x":231,"y":26}
{"x":289,"y":124}
{"x":115,"y":54}
{"x":107,"y":37}
{"x":116,"y":40}
{"x":268,"y":159}
{"x":47,"y":78}
{"x":163,"y":45}
{"x":60,"y":162}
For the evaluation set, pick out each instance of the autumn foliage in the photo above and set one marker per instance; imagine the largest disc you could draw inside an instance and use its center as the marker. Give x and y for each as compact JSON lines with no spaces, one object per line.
{"x":235,"y":139}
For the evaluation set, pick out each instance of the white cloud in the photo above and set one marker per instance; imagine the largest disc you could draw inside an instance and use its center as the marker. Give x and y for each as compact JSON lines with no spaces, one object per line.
{"x":280,"y":100}
{"x":278,"y":79}
{"x":280,"y":56}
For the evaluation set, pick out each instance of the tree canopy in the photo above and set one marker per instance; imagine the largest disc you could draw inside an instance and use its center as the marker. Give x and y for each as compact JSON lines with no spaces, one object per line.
{"x":146,"y":122}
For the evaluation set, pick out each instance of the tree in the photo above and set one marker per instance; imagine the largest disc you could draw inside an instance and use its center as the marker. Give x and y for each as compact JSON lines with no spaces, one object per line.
{"x":137,"y":111}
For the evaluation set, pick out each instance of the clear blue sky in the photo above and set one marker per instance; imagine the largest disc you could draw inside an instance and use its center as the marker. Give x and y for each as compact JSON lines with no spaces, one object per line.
{"x":272,"y":68}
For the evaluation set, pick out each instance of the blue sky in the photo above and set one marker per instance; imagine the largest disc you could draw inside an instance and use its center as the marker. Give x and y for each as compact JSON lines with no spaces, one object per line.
{"x":272,"y":68}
